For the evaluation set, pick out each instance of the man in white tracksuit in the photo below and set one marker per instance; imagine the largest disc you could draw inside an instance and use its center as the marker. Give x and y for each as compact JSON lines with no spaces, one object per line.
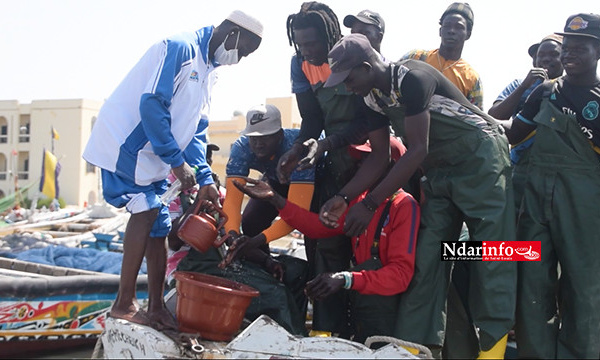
{"x":153,"y":123}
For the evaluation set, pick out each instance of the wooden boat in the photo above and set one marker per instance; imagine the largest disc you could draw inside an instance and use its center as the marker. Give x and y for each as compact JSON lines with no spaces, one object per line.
{"x":262,"y":339}
{"x":45,"y":307}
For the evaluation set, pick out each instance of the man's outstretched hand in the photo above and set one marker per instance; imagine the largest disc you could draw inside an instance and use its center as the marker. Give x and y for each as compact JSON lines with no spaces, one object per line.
{"x":256,"y":189}
{"x":324,"y":285}
{"x":357,"y":219}
{"x":240,"y":247}
{"x":332,"y":211}
{"x":314,"y":151}
{"x":288,"y":162}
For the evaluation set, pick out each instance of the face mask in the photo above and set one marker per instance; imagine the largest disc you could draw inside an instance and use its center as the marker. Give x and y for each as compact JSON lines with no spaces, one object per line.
{"x":227,"y":57}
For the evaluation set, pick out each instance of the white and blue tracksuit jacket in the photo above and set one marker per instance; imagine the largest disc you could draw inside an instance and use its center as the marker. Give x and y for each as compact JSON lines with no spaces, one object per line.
{"x":157,"y":118}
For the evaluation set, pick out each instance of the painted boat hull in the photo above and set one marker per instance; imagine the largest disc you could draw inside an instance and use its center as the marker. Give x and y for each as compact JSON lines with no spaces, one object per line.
{"x":49,"y":307}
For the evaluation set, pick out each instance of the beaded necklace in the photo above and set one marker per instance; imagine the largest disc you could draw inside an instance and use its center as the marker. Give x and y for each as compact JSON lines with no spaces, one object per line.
{"x":442,"y":69}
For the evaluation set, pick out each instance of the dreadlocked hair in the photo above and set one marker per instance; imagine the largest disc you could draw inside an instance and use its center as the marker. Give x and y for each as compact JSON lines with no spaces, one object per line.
{"x":317,"y":15}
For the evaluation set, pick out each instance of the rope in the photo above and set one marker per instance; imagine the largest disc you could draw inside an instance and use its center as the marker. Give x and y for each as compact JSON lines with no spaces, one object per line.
{"x":98,"y":349}
{"x":392,"y":340}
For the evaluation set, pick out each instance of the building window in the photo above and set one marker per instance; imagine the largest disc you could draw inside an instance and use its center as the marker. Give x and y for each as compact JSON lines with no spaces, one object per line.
{"x":24,"y":122}
{"x":23,"y":173}
{"x":3,"y":134}
{"x":89,"y":168}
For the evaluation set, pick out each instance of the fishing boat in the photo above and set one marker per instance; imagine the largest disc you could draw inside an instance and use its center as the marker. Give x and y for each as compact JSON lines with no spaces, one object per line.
{"x":262,"y":339}
{"x":210,"y":311}
{"x":44,"y":307}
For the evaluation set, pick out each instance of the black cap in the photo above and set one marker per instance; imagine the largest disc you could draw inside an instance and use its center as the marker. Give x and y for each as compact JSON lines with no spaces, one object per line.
{"x":213,"y":147}
{"x":348,"y":53}
{"x":586,"y":25}
{"x":366,"y":17}
{"x":463,"y":9}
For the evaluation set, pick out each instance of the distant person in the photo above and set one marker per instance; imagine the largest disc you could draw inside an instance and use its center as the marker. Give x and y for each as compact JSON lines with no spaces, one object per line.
{"x":383,"y":256}
{"x":557,"y":313}
{"x":155,"y":122}
{"x":464,"y":157}
{"x":370,"y":24}
{"x":456,"y":25}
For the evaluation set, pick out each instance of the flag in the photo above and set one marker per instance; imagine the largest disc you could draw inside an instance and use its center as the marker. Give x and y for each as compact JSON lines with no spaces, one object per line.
{"x":49,"y":180}
{"x":55,"y":135}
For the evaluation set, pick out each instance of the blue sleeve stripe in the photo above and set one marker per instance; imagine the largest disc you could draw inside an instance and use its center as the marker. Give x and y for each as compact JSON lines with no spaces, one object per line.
{"x":526,"y":121}
{"x":413,"y":227}
{"x":204,"y":35}
{"x":154,"y":107}
{"x":127,"y":160}
{"x":195,"y":154}
{"x":154,"y":111}
{"x":178,"y":54}
{"x":160,"y":66}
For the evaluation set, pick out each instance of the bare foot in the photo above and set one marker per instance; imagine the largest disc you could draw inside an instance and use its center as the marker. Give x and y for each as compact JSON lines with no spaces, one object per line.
{"x":162,"y":320}
{"x":137,"y":316}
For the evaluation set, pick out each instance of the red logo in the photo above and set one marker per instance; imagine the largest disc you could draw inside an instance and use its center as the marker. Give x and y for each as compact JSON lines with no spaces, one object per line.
{"x":512,"y":251}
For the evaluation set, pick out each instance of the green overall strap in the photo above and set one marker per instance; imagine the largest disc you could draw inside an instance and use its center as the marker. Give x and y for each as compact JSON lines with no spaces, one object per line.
{"x":377,"y":235}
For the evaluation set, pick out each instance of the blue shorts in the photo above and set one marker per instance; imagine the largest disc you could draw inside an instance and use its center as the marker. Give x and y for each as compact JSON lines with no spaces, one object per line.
{"x":121,"y":192}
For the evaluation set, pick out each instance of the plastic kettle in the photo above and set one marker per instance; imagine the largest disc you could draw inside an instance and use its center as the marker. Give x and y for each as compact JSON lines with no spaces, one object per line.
{"x":201,"y":230}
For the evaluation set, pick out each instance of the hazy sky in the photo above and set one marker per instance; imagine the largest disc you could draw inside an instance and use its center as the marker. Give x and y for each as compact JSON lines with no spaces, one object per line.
{"x":62,"y":49}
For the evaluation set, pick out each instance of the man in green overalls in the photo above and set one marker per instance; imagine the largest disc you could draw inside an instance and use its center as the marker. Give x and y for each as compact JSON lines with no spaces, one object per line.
{"x":464,"y":158}
{"x":557,"y":315}
{"x":313,"y":31}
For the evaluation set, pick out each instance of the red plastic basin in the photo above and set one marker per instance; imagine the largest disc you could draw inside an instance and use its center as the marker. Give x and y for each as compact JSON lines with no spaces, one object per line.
{"x":210,"y":305}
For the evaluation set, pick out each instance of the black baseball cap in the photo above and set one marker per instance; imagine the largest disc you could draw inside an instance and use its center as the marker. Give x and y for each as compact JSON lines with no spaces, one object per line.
{"x":348,"y":53}
{"x":586,"y":25}
{"x":366,"y":17}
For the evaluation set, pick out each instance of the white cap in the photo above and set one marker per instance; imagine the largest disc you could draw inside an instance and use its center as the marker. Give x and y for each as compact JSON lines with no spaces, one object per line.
{"x":262,"y":120}
{"x":246,"y":21}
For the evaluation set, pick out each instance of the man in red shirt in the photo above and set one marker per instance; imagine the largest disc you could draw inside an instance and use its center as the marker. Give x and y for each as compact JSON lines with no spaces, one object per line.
{"x":383,"y":255}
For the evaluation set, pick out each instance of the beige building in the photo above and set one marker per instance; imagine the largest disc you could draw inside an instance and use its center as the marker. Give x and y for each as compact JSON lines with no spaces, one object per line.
{"x":26,"y":130}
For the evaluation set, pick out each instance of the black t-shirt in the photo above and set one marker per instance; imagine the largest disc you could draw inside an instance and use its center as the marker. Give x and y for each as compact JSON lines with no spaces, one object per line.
{"x":417,"y":86}
{"x":581,"y":101}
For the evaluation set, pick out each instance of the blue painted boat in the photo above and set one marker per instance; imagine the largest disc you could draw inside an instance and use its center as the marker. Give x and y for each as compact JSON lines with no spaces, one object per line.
{"x":44,"y":307}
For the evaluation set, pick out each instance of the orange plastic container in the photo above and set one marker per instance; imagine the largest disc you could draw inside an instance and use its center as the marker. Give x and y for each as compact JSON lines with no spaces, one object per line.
{"x":210,"y":305}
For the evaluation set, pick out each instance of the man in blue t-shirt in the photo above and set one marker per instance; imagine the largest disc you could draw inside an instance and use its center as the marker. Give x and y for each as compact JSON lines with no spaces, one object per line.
{"x":262,"y":143}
